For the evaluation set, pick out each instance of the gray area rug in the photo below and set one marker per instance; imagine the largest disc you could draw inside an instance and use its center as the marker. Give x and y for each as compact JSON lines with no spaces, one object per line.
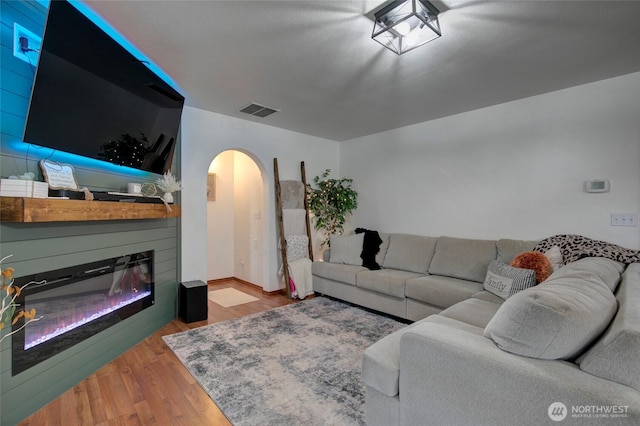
{"x":299,"y":364}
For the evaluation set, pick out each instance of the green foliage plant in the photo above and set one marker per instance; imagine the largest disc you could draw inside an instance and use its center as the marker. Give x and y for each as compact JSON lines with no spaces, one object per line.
{"x":331,"y":201}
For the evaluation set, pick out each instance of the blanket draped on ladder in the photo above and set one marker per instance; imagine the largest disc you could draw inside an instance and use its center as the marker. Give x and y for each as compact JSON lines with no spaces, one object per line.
{"x":294,"y":218}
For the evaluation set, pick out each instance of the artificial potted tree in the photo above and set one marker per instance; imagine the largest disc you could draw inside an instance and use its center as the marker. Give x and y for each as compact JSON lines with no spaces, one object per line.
{"x":331,"y":201}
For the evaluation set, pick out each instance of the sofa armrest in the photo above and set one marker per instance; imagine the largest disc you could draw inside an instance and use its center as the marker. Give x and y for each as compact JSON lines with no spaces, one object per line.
{"x":453,"y":377}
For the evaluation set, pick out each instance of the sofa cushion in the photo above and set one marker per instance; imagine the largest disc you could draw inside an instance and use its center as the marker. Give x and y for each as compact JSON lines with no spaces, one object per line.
{"x":553,"y":320}
{"x":409,"y":252}
{"x":605,"y":269}
{"x":488,"y":297}
{"x":386,"y":281}
{"x":336,"y":272}
{"x":505,"y":281}
{"x":462,"y":258}
{"x":615,"y":355}
{"x":508,"y":249}
{"x":472,"y":311}
{"x":381,"y":361}
{"x":384,"y":246}
{"x":441,"y":291}
{"x":346,"y":249}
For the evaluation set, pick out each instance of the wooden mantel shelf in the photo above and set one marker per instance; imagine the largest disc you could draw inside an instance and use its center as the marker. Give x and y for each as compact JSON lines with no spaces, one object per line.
{"x":33,"y":210}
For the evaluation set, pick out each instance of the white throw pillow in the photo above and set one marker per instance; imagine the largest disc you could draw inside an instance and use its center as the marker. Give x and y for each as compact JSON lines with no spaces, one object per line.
{"x":505,"y":281}
{"x":555,"y":257}
{"x":346,"y":249}
{"x":297,"y":247}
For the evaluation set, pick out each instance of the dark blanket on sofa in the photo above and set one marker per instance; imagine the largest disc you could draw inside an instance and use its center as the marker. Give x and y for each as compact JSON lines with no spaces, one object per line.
{"x":575,"y":247}
{"x":370,"y":247}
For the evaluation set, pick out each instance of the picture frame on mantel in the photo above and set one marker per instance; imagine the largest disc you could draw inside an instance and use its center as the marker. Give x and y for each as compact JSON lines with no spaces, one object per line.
{"x":59,"y":175}
{"x":211,"y":187}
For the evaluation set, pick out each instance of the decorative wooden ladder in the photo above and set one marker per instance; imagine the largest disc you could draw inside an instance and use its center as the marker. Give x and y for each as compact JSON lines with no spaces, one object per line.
{"x":280,"y":217}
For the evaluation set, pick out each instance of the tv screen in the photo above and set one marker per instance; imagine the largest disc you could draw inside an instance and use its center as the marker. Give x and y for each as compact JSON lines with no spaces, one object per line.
{"x":92,"y":97}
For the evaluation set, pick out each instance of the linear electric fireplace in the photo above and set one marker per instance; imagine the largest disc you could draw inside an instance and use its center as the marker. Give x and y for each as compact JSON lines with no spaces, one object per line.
{"x":77,"y":302}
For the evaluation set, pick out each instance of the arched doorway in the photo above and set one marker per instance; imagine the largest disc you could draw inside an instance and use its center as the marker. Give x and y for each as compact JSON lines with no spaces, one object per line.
{"x":235,"y":218}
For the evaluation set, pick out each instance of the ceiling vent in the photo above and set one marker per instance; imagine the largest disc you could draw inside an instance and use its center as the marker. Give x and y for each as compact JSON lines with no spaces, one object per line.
{"x":258,"y":110}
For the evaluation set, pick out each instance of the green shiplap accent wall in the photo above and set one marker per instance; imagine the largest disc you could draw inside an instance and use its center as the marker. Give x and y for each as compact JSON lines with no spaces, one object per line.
{"x":41,"y":247}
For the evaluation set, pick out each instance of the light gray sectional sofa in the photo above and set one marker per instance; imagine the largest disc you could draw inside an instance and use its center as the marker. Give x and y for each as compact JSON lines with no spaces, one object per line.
{"x":420,"y":276}
{"x":567,"y":350}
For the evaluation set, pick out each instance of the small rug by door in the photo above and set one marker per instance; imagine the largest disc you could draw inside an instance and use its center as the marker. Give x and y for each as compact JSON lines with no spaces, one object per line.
{"x":227,"y":297}
{"x":294,"y":365}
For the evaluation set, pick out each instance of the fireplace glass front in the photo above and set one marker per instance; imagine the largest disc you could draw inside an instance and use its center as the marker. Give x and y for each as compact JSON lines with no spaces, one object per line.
{"x":77,"y":302}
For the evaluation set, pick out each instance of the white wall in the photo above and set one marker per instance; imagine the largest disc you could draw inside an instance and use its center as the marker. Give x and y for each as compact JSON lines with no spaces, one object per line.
{"x":220,"y":239}
{"x":204,"y":135}
{"x":514,"y":170}
{"x":247,"y":226}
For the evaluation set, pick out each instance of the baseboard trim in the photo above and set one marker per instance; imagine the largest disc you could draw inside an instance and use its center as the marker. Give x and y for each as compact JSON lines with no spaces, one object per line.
{"x":218,"y":280}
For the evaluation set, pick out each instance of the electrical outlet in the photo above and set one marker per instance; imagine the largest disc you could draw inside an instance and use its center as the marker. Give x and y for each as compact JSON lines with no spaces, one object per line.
{"x":624,"y":219}
{"x":32,"y":42}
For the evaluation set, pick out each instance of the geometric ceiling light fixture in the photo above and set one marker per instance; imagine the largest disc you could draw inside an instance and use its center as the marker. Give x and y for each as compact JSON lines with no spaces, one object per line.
{"x":404,"y":25}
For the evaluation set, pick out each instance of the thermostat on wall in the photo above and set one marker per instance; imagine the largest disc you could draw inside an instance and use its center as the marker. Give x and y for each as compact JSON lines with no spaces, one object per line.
{"x":597,"y":185}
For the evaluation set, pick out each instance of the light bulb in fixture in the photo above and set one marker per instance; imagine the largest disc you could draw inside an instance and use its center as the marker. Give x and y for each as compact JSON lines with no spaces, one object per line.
{"x":403,"y":28}
{"x":412,"y":38}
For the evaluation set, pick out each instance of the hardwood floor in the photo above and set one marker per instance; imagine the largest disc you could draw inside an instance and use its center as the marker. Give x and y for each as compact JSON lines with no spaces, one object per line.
{"x":147,"y":384}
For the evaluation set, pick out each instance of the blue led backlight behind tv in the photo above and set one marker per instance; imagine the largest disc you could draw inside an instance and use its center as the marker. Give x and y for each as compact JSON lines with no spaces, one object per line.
{"x":29,"y":149}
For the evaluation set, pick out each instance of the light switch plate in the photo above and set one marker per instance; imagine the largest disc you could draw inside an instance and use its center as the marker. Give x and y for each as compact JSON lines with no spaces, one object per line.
{"x":624,"y":219}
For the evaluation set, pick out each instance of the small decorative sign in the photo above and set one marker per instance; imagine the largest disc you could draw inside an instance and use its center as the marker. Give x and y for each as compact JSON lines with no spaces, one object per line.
{"x":58,"y":175}
{"x":211,"y":187}
{"x":149,"y":190}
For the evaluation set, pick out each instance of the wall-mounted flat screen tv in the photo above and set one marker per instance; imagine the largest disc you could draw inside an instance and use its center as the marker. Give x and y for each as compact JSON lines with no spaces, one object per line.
{"x":93,"y":98}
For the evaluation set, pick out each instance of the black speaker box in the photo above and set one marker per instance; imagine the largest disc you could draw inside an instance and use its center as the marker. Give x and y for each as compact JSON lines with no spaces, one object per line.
{"x":192,"y":301}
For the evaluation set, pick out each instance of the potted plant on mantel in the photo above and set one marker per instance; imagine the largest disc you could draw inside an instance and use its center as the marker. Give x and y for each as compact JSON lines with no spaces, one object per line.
{"x":168,"y":184}
{"x":331,"y":201}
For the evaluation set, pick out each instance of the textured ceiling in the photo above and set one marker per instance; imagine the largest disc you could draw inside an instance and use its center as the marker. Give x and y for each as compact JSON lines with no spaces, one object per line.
{"x":316,"y":62}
